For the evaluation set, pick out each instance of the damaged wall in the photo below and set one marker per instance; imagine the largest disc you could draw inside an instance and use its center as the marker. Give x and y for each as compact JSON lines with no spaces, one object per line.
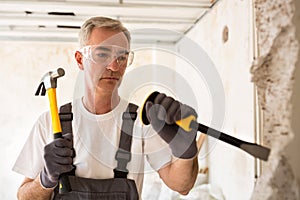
{"x":273,"y":74}
{"x":293,"y":147}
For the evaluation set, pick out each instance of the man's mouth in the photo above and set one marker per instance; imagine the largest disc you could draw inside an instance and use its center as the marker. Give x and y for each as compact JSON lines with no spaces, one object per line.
{"x":109,"y":78}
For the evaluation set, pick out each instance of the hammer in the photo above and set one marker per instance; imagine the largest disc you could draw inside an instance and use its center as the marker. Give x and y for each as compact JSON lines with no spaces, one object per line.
{"x":48,"y":84}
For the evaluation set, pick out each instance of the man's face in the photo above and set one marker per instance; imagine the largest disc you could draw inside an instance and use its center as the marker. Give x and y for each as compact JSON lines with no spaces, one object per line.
{"x":105,"y":60}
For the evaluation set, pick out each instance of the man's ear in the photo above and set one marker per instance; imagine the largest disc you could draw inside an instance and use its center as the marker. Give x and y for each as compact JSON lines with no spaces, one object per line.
{"x":79,"y":59}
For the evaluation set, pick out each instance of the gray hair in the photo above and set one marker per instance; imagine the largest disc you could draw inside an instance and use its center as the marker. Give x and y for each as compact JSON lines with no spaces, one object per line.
{"x":100,"y":22}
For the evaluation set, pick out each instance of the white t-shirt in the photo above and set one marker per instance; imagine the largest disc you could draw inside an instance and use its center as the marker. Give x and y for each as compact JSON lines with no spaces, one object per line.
{"x":96,"y":140}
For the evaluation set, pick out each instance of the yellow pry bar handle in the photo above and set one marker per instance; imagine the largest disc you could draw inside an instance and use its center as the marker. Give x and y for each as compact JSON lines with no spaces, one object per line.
{"x":186,"y":122}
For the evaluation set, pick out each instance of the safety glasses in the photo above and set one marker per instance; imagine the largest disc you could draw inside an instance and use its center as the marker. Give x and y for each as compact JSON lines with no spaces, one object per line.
{"x":104,"y":55}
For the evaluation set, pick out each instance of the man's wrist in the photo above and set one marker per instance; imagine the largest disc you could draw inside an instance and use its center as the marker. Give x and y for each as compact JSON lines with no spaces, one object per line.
{"x":45,"y":182}
{"x":186,"y":153}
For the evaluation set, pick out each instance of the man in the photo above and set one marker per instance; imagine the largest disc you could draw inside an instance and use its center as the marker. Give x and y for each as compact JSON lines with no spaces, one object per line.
{"x":103,"y":57}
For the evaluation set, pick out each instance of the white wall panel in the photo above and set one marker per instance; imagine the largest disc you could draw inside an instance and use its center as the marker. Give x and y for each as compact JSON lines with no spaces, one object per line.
{"x":22,"y":66}
{"x":230,"y":169}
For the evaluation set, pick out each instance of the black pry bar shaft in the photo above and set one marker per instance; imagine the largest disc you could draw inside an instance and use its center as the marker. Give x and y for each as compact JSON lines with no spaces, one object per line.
{"x":255,"y":150}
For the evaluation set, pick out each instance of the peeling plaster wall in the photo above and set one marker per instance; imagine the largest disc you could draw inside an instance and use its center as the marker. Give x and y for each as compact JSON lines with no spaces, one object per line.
{"x":272,"y":72}
{"x":293,"y":148}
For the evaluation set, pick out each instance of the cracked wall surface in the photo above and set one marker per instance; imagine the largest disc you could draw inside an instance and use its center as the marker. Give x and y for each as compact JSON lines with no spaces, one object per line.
{"x":273,"y":75}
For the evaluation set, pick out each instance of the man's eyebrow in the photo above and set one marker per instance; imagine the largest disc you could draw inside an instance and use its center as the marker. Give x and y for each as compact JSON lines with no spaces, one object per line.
{"x":103,"y":48}
{"x":108,"y":49}
{"x":123,"y":51}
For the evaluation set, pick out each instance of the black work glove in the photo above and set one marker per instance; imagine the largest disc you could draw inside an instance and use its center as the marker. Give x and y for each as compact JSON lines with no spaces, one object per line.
{"x":58,"y":159}
{"x":162,"y":116}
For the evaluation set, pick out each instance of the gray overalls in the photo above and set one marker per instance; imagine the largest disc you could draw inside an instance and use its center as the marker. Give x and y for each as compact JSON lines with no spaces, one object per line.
{"x":117,"y":188}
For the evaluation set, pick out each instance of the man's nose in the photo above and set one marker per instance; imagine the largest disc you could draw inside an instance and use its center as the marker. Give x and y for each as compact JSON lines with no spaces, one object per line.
{"x":113,"y":65}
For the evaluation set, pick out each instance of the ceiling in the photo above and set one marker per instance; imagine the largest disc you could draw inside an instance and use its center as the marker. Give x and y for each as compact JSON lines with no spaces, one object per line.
{"x":60,"y":20}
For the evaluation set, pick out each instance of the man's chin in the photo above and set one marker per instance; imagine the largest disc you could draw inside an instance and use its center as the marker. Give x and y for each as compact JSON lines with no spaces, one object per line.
{"x":109,"y":84}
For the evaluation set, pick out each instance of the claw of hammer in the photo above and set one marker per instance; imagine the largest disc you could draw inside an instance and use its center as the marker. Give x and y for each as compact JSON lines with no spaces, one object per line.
{"x":49,"y":80}
{"x":41,"y":90}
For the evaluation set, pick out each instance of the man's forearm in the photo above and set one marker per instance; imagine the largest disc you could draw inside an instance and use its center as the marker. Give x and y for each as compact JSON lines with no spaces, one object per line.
{"x":181,"y":174}
{"x":185,"y":171}
{"x":32,"y":189}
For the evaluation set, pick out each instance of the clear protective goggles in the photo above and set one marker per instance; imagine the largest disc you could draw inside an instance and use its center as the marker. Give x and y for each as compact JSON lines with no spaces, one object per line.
{"x":104,"y":55}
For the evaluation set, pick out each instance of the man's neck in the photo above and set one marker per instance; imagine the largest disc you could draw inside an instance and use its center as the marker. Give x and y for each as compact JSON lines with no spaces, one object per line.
{"x":101,"y":103}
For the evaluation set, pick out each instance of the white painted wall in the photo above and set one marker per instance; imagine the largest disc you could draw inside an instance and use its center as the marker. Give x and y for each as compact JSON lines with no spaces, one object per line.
{"x":230,"y":169}
{"x":22,"y":66}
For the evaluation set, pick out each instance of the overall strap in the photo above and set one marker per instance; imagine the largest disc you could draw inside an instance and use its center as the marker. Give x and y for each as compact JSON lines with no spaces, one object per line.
{"x":123,"y":154}
{"x":66,"y":117}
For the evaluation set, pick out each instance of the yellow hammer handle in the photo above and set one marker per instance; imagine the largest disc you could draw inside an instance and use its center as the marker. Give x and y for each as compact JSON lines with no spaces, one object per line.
{"x":54,"y":111}
{"x":185,"y":123}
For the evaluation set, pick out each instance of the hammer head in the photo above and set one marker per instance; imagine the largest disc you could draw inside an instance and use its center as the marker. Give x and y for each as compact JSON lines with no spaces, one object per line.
{"x":49,"y":80}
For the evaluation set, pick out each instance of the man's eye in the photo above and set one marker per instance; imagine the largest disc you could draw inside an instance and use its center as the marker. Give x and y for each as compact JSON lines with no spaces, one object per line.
{"x":102,"y":55}
{"x":121,"y":58}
